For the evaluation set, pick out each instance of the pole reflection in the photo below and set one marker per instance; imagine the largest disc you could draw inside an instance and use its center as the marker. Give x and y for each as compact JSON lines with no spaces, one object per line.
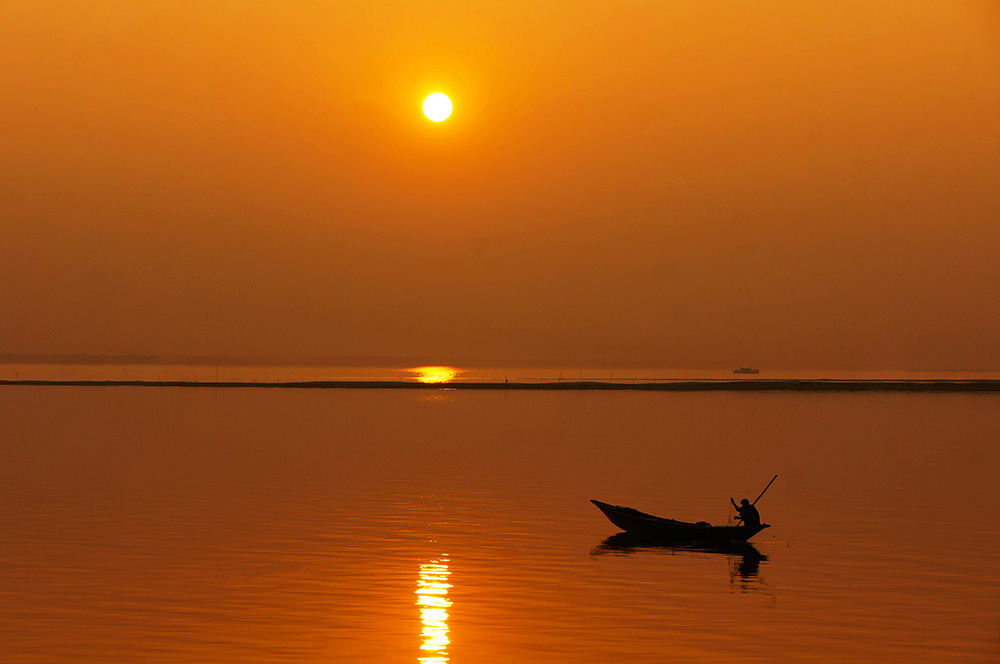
{"x":432,"y":598}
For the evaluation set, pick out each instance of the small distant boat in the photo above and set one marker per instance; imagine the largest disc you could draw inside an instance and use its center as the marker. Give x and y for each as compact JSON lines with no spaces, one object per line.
{"x":639,"y":523}
{"x":746,"y":370}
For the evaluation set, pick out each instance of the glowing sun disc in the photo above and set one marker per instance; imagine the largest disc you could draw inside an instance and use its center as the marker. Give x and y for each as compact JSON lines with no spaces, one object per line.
{"x":437,"y":106}
{"x":435,"y":374}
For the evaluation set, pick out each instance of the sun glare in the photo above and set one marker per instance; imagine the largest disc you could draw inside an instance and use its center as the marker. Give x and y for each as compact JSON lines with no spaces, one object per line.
{"x":437,"y":106}
{"x":435,"y":374}
{"x":432,"y":598}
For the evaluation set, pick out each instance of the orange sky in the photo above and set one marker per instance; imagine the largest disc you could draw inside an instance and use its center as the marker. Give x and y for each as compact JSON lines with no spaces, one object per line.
{"x":683,"y":183}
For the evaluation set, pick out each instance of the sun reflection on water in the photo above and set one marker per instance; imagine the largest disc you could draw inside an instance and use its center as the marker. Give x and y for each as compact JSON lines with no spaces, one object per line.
{"x":432,"y":598}
{"x":435,"y":374}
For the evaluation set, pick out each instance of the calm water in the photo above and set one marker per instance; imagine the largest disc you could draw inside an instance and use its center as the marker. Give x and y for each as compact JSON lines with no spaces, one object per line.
{"x":179,"y":525}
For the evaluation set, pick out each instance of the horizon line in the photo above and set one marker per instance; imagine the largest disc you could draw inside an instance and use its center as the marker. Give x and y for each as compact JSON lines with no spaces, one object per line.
{"x":703,"y":385}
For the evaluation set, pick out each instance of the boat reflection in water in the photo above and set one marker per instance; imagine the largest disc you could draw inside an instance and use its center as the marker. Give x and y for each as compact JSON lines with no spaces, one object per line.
{"x":432,"y":598}
{"x":744,"y":558}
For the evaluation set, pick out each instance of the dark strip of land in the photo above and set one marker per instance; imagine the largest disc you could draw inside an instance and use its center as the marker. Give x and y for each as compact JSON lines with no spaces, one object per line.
{"x":744,"y":385}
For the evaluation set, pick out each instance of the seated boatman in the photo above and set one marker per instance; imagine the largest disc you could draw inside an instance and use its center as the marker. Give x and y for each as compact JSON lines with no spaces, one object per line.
{"x":748,"y":513}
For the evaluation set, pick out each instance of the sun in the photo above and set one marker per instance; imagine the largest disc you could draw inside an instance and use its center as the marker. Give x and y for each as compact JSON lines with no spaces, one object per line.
{"x":435,"y":374}
{"x":437,"y":106}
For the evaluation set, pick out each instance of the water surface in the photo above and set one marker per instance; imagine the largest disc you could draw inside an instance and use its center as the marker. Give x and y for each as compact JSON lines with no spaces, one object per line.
{"x":173,"y":525}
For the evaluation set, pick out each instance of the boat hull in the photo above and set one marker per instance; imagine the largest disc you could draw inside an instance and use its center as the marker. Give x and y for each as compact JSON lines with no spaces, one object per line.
{"x":652,"y":527}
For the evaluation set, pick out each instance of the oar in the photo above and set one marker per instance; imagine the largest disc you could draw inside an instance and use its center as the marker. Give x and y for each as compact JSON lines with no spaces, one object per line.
{"x":765,"y":489}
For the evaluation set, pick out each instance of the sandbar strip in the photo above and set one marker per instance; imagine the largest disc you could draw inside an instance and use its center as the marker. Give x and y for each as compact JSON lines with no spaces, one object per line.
{"x":741,"y":385}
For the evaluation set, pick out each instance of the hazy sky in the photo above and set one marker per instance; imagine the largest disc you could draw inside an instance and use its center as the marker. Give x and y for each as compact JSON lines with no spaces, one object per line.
{"x":677,"y":182}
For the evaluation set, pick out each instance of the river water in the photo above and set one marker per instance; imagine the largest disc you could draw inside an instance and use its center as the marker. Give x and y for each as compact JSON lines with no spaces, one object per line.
{"x":163,"y":524}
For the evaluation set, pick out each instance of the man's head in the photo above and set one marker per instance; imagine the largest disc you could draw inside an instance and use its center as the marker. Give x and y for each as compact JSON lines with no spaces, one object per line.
{"x":744,"y":502}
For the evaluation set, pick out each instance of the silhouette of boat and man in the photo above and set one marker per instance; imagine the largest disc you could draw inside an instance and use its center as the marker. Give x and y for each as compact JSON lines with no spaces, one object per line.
{"x":646,"y":531}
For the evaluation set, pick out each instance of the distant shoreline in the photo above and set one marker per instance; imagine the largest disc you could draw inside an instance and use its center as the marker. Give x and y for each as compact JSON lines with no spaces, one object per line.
{"x":741,"y":385}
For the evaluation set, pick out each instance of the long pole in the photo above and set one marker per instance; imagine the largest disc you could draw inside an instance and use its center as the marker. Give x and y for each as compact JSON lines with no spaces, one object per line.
{"x":765,"y":489}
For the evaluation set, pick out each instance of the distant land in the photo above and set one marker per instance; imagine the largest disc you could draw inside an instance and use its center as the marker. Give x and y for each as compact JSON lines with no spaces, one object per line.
{"x":752,"y":385}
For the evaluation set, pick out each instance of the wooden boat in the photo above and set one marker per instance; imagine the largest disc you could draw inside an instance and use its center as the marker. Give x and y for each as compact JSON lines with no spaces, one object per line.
{"x":635,"y":522}
{"x":746,"y":370}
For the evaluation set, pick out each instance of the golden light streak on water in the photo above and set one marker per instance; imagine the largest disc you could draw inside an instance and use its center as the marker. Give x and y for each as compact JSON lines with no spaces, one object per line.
{"x":435,"y":374}
{"x":432,"y":598}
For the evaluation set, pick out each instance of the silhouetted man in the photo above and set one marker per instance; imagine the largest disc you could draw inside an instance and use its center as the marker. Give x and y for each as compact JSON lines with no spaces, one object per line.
{"x":748,"y":513}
